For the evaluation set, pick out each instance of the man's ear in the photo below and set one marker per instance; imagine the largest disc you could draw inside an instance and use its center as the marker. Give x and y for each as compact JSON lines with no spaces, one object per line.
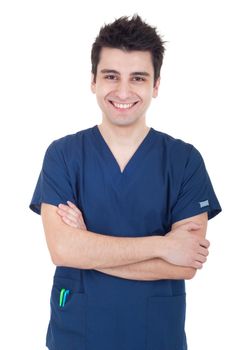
{"x":93,"y":84}
{"x":156,"y":88}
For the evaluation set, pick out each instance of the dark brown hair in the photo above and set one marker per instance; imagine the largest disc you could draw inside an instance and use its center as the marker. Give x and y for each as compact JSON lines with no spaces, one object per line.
{"x":129,"y":35}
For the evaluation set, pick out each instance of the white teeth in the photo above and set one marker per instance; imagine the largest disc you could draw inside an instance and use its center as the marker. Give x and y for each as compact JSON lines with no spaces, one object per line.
{"x":122,"y":105}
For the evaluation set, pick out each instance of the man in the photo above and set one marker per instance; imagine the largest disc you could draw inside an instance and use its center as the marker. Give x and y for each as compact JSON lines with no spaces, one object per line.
{"x":124,"y":209}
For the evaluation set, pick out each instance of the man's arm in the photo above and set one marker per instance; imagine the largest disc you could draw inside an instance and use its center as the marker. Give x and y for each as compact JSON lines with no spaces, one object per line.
{"x":150,"y":270}
{"x":156,"y":269}
{"x":70,"y":246}
{"x":84,"y":249}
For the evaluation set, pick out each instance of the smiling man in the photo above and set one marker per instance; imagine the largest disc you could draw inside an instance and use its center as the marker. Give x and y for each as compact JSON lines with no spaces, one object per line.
{"x":124,"y":209}
{"x":125,"y":92}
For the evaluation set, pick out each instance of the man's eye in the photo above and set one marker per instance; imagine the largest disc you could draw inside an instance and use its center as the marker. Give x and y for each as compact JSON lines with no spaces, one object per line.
{"x":138,"y":79}
{"x":110,"y":77}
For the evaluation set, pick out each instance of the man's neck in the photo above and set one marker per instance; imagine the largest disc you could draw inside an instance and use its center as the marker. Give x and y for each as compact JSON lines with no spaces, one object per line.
{"x":123,"y":136}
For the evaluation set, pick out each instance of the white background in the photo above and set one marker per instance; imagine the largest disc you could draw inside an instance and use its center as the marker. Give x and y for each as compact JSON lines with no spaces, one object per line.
{"x":45,"y":94}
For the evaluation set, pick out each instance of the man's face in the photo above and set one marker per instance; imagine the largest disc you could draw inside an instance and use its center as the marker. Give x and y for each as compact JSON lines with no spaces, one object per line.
{"x":124,"y":85}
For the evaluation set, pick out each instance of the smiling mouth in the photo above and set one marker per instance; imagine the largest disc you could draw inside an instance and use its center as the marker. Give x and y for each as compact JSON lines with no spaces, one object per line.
{"x":123,"y":105}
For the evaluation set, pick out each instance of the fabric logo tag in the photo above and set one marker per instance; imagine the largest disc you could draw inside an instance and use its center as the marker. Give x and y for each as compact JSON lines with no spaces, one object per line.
{"x":204,"y":204}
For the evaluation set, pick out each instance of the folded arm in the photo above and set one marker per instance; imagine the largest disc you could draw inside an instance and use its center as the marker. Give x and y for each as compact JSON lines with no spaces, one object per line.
{"x":155,"y":269}
{"x":75,"y":247}
{"x":145,"y":258}
{"x":151,"y":270}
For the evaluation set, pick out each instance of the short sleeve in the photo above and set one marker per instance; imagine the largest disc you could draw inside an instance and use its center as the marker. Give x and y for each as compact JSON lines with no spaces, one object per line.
{"x":53,"y":185}
{"x":196,"y":193}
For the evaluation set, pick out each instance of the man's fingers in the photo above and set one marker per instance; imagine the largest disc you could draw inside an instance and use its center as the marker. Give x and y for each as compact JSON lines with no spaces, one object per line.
{"x":74,"y":207}
{"x":65,"y":212}
{"x":197,"y":265}
{"x":71,"y":210}
{"x":79,"y":213}
{"x":205,"y":243}
{"x":71,"y":216}
{"x":201,"y":258}
{"x":203,"y":251}
{"x":66,"y":208}
{"x":69,"y":222}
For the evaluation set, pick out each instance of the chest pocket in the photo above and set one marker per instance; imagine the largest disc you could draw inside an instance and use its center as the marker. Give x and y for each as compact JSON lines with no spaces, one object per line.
{"x":67,"y":326}
{"x":165,"y":323}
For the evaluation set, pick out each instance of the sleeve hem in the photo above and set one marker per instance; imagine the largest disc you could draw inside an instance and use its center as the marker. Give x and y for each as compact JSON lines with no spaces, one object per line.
{"x":36,"y":207}
{"x":211,"y":214}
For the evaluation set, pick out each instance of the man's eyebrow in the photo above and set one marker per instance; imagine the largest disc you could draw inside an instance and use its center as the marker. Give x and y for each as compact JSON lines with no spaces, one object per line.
{"x":145,"y":74}
{"x":104,"y":71}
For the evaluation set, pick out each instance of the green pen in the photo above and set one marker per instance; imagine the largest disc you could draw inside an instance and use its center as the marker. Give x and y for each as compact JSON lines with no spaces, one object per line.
{"x":61,"y":296}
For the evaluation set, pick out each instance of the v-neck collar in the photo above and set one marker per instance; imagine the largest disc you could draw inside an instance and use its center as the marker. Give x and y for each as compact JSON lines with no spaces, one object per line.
{"x":135,"y":161}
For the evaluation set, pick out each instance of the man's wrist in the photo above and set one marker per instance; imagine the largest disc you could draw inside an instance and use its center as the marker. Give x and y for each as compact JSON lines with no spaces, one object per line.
{"x":158,"y":247}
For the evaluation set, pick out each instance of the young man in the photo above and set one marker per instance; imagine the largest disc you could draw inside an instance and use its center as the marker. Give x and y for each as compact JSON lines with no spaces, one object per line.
{"x":134,"y":226}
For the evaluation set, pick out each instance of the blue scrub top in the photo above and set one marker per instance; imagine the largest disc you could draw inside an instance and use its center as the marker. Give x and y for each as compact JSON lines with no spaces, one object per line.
{"x":164,"y":181}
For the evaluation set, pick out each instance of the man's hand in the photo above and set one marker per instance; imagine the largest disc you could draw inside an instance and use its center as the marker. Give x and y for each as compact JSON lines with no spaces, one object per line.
{"x":184,"y":247}
{"x":71,"y":215}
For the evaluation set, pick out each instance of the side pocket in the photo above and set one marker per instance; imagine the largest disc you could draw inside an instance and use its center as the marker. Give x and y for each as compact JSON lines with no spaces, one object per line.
{"x":165,"y":323}
{"x":67,"y":326}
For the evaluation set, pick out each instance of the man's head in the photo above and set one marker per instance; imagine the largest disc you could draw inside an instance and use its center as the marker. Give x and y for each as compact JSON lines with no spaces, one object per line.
{"x":126,"y":61}
{"x":129,"y":35}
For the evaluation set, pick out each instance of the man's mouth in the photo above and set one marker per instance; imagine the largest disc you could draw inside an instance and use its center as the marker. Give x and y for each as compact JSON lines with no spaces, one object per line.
{"x":123,"y":105}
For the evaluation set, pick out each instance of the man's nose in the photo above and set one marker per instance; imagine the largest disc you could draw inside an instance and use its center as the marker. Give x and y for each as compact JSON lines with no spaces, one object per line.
{"x":123,"y":91}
